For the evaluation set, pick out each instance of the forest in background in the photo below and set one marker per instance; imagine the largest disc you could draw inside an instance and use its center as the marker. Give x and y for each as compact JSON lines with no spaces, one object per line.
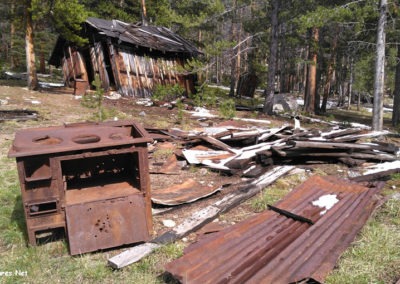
{"x":312,"y":47}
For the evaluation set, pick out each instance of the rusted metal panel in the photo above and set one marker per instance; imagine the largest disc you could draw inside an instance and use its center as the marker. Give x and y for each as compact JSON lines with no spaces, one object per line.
{"x":186,"y":192}
{"x":101,"y":168}
{"x":106,"y":223}
{"x":272,"y":248}
{"x":49,"y":140}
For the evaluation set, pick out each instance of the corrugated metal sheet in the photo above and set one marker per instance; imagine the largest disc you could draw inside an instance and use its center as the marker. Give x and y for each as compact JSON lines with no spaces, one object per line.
{"x":153,"y":37}
{"x":273,"y":248}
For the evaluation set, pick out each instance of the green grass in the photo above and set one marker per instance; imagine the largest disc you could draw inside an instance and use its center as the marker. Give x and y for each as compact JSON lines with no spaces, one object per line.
{"x":375,"y":255}
{"x":51,"y":261}
{"x":275,"y":192}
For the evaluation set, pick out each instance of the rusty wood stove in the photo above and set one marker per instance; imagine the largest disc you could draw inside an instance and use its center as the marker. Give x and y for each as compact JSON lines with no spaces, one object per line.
{"x":89,"y":180}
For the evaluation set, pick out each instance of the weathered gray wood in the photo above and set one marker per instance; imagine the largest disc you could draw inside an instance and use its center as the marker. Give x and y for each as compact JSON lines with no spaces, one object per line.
{"x":365,"y":135}
{"x":375,"y":176}
{"x":356,"y":155}
{"x":342,"y":132}
{"x":200,"y":218}
{"x":332,"y":145}
{"x":132,"y":255}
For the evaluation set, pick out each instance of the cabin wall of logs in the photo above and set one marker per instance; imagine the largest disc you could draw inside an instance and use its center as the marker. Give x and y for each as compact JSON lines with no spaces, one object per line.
{"x":128,"y":58}
{"x":121,"y":69}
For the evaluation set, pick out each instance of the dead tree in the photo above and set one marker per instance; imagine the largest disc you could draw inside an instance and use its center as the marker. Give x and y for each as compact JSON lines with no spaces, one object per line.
{"x":379,"y":78}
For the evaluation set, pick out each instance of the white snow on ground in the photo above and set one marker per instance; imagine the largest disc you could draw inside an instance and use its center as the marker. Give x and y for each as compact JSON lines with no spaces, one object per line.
{"x":326,"y":201}
{"x":382,"y":167}
{"x":50,"y":85}
{"x":201,"y":112}
{"x":385,"y":109}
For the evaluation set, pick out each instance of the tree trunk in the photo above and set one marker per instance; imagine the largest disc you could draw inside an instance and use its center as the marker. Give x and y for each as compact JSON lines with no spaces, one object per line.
{"x":396,"y":102}
{"x":330,"y":72}
{"x":309,"y":102}
{"x":12,"y":35}
{"x":379,"y":78}
{"x":351,"y":82}
{"x":144,"y":12}
{"x":30,"y":51}
{"x":233,"y":58}
{"x":273,"y":54}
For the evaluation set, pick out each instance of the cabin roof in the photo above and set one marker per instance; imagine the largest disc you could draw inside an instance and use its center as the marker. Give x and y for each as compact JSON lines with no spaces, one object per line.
{"x":150,"y":37}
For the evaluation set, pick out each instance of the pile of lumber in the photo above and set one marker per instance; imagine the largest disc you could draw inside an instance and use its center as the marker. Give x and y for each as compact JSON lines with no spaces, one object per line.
{"x":245,"y":151}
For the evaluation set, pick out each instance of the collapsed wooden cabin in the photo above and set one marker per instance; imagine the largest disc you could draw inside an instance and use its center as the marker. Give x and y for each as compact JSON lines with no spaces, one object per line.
{"x":131,"y":59}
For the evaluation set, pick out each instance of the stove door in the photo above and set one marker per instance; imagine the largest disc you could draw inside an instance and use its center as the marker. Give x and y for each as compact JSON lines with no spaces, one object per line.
{"x":107,"y":223}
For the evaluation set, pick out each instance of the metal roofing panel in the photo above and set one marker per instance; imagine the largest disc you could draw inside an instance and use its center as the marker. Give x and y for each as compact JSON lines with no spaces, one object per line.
{"x":273,"y":248}
{"x":152,"y":37}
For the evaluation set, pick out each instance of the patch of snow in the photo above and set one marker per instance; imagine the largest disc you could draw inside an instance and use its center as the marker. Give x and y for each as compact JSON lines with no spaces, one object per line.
{"x":144,"y":102}
{"x":252,"y":120}
{"x":113,"y":96}
{"x":35,"y":102}
{"x":46,"y":85}
{"x":326,"y":201}
{"x":202,"y":112}
{"x":169,"y":223}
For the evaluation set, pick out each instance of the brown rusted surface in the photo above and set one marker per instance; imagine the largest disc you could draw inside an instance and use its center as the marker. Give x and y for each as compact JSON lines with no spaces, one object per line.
{"x":272,"y":248}
{"x":101,"y":168}
{"x":170,"y":167}
{"x":105,"y":223}
{"x":186,"y":192}
{"x":49,"y":140}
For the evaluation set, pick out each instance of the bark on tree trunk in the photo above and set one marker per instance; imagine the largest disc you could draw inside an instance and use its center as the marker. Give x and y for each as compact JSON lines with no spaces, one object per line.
{"x":396,"y":102}
{"x":331,"y":72}
{"x":379,"y":79}
{"x":233,"y":58}
{"x":144,"y":12}
{"x":351,"y":82}
{"x":12,"y":34}
{"x":30,"y":51}
{"x":309,"y":102}
{"x":269,"y":91}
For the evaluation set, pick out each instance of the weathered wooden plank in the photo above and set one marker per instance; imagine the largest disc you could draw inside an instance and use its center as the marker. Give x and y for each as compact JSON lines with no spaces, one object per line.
{"x":341,"y":132}
{"x":200,"y":218}
{"x":332,"y":145}
{"x":359,"y":136}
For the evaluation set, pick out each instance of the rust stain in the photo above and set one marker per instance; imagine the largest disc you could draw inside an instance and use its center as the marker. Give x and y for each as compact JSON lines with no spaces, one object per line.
{"x":272,"y":248}
{"x":89,"y":180}
{"x":186,"y":192}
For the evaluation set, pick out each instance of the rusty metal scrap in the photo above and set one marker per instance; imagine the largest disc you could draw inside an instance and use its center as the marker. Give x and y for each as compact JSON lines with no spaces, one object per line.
{"x":186,"y":192}
{"x":272,"y":248}
{"x":89,"y":180}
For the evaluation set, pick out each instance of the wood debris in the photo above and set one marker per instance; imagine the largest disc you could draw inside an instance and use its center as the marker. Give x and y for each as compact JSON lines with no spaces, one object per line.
{"x":262,"y":154}
{"x":236,"y":150}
